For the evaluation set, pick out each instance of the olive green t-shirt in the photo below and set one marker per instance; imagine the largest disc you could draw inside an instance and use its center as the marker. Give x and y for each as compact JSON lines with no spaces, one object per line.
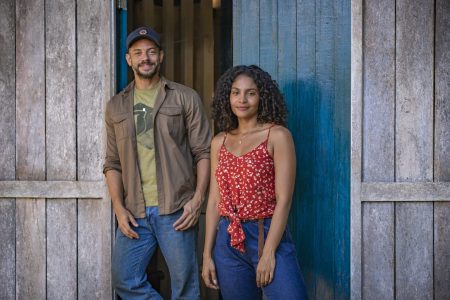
{"x":144,"y":101}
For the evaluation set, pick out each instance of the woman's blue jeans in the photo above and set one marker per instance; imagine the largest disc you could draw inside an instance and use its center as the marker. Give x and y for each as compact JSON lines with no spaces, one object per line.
{"x":236,"y":271}
{"x":131,"y":257}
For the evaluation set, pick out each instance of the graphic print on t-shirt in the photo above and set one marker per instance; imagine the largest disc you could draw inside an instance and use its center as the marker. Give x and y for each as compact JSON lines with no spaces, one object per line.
{"x":143,"y":118}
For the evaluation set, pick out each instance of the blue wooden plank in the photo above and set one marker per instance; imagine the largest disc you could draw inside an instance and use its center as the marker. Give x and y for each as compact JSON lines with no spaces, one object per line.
{"x":324,"y":183}
{"x":238,"y":14}
{"x":342,"y":108}
{"x":268,"y":36}
{"x":250,"y":32}
{"x":302,"y":220}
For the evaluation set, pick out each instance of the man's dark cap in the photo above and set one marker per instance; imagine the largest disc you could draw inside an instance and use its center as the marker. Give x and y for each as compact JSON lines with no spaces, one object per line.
{"x":144,"y":32}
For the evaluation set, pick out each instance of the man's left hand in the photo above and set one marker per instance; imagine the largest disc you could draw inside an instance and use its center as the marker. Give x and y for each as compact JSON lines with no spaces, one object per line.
{"x":191,"y":213}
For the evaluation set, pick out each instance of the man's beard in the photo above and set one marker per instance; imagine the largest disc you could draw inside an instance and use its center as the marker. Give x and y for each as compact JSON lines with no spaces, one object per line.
{"x":148,"y":75}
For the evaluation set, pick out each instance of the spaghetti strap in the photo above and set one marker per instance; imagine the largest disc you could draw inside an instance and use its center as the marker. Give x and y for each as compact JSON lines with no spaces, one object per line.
{"x":268,"y":133}
{"x":224,"y":138}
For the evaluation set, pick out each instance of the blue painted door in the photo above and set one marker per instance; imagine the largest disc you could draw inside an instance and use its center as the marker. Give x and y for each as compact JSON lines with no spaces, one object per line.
{"x":305,"y":46}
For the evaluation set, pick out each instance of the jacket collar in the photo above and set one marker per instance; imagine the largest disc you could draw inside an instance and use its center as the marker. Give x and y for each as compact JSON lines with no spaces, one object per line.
{"x":128,"y":95}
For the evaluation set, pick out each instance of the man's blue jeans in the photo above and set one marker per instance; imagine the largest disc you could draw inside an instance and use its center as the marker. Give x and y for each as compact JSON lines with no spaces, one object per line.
{"x":131,"y":257}
{"x":236,"y":271}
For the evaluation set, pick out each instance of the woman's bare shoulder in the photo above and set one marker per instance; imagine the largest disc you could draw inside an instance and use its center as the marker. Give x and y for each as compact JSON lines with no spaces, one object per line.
{"x":280,"y":133}
{"x":218,"y":139}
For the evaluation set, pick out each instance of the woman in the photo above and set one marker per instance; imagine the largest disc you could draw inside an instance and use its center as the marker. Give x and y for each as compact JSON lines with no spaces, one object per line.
{"x":252,"y":181}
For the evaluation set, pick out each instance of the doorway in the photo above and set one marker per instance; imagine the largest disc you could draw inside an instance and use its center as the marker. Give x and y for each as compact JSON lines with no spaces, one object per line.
{"x":197,"y":41}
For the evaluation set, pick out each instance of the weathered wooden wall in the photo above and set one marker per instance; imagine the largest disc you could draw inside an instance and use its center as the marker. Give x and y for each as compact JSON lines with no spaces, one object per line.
{"x":55,"y":79}
{"x":305,"y":46}
{"x":400,"y":146}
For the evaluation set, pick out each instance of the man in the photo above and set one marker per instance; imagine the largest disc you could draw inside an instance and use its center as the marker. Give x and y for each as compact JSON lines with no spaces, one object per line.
{"x":157,"y":172}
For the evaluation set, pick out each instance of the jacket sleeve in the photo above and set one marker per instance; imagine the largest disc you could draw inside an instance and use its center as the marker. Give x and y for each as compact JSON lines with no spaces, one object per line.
{"x":197,"y":124}
{"x":112,"y":161}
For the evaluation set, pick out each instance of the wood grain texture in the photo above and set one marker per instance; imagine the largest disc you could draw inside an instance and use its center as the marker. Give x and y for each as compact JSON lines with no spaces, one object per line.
{"x":378,"y":272}
{"x":414,"y":251}
{"x":414,"y":90}
{"x":249,"y":33}
{"x":7,"y":249}
{"x":187,"y":42}
{"x":30,"y":90}
{"x":30,"y":150}
{"x":268,"y":34}
{"x":52,"y":189}
{"x":30,"y":249}
{"x":324,"y":149}
{"x":379,"y":91}
{"x":406,"y":191}
{"x":7,"y":149}
{"x":237,"y":39}
{"x":442,"y":92}
{"x":7,"y":90}
{"x":356,"y":148}
{"x":442,"y":250}
{"x":93,"y":90}
{"x":442,"y":149}
{"x":302,"y":216}
{"x":341,"y":137}
{"x":208,"y":55}
{"x":168,"y":34}
{"x":61,"y":231}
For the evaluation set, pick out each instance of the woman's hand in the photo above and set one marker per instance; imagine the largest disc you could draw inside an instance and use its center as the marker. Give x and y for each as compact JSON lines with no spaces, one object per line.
{"x":265,"y":269}
{"x":209,"y":273}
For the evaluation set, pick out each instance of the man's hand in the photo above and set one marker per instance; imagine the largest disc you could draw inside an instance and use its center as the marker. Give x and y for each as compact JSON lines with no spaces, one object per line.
{"x":191,"y":213}
{"x":124,"y":218}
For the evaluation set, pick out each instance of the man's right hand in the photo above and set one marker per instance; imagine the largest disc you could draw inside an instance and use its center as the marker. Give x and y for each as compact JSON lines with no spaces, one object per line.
{"x":125,"y":218}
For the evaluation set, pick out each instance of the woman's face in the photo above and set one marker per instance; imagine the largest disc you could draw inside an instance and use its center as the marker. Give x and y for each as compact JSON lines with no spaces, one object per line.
{"x":244,"y":97}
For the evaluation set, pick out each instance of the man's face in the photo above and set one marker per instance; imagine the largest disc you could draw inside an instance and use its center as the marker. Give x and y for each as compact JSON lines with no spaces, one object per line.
{"x":145,"y":58}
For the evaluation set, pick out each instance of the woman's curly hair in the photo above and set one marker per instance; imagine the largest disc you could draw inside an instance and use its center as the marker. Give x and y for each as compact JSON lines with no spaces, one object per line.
{"x":272,"y":108}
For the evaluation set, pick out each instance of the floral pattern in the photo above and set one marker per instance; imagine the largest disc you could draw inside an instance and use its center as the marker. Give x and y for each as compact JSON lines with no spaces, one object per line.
{"x":247,"y":188}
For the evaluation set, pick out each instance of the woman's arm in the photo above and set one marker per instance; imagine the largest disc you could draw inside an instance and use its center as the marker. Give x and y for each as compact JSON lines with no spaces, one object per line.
{"x":212,"y":218}
{"x":285,"y":162}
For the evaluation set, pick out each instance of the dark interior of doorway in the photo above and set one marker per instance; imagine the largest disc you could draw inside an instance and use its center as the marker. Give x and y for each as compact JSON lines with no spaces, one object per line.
{"x":197,"y":40}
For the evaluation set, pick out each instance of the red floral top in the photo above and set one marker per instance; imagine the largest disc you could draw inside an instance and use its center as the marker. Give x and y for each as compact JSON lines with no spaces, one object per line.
{"x":247,"y":188}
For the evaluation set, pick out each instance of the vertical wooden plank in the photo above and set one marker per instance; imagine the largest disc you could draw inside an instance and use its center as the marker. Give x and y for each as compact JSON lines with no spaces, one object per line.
{"x":208,"y":54}
{"x":169,"y":39}
{"x":442,"y":92}
{"x":324,"y":150}
{"x":237,"y":32}
{"x":250,"y":32}
{"x":378,"y":251}
{"x":414,"y":251}
{"x":414,"y":90}
{"x":143,"y":13}
{"x":379,"y":92}
{"x":341,"y":136}
{"x":93,"y":90}
{"x":302,"y":217}
{"x":187,"y":42}
{"x":442,"y":149}
{"x":441,"y":250}
{"x":414,"y":146}
{"x":61,"y":147}
{"x":30,"y":150}
{"x":356,"y":147}
{"x":199,"y":78}
{"x":7,"y":150}
{"x":268,"y":34}
{"x":378,"y":146}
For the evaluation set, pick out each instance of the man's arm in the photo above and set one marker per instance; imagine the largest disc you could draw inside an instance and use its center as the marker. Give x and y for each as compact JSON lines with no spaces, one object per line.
{"x":124,"y":217}
{"x":192,"y":209}
{"x":112,"y":170}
